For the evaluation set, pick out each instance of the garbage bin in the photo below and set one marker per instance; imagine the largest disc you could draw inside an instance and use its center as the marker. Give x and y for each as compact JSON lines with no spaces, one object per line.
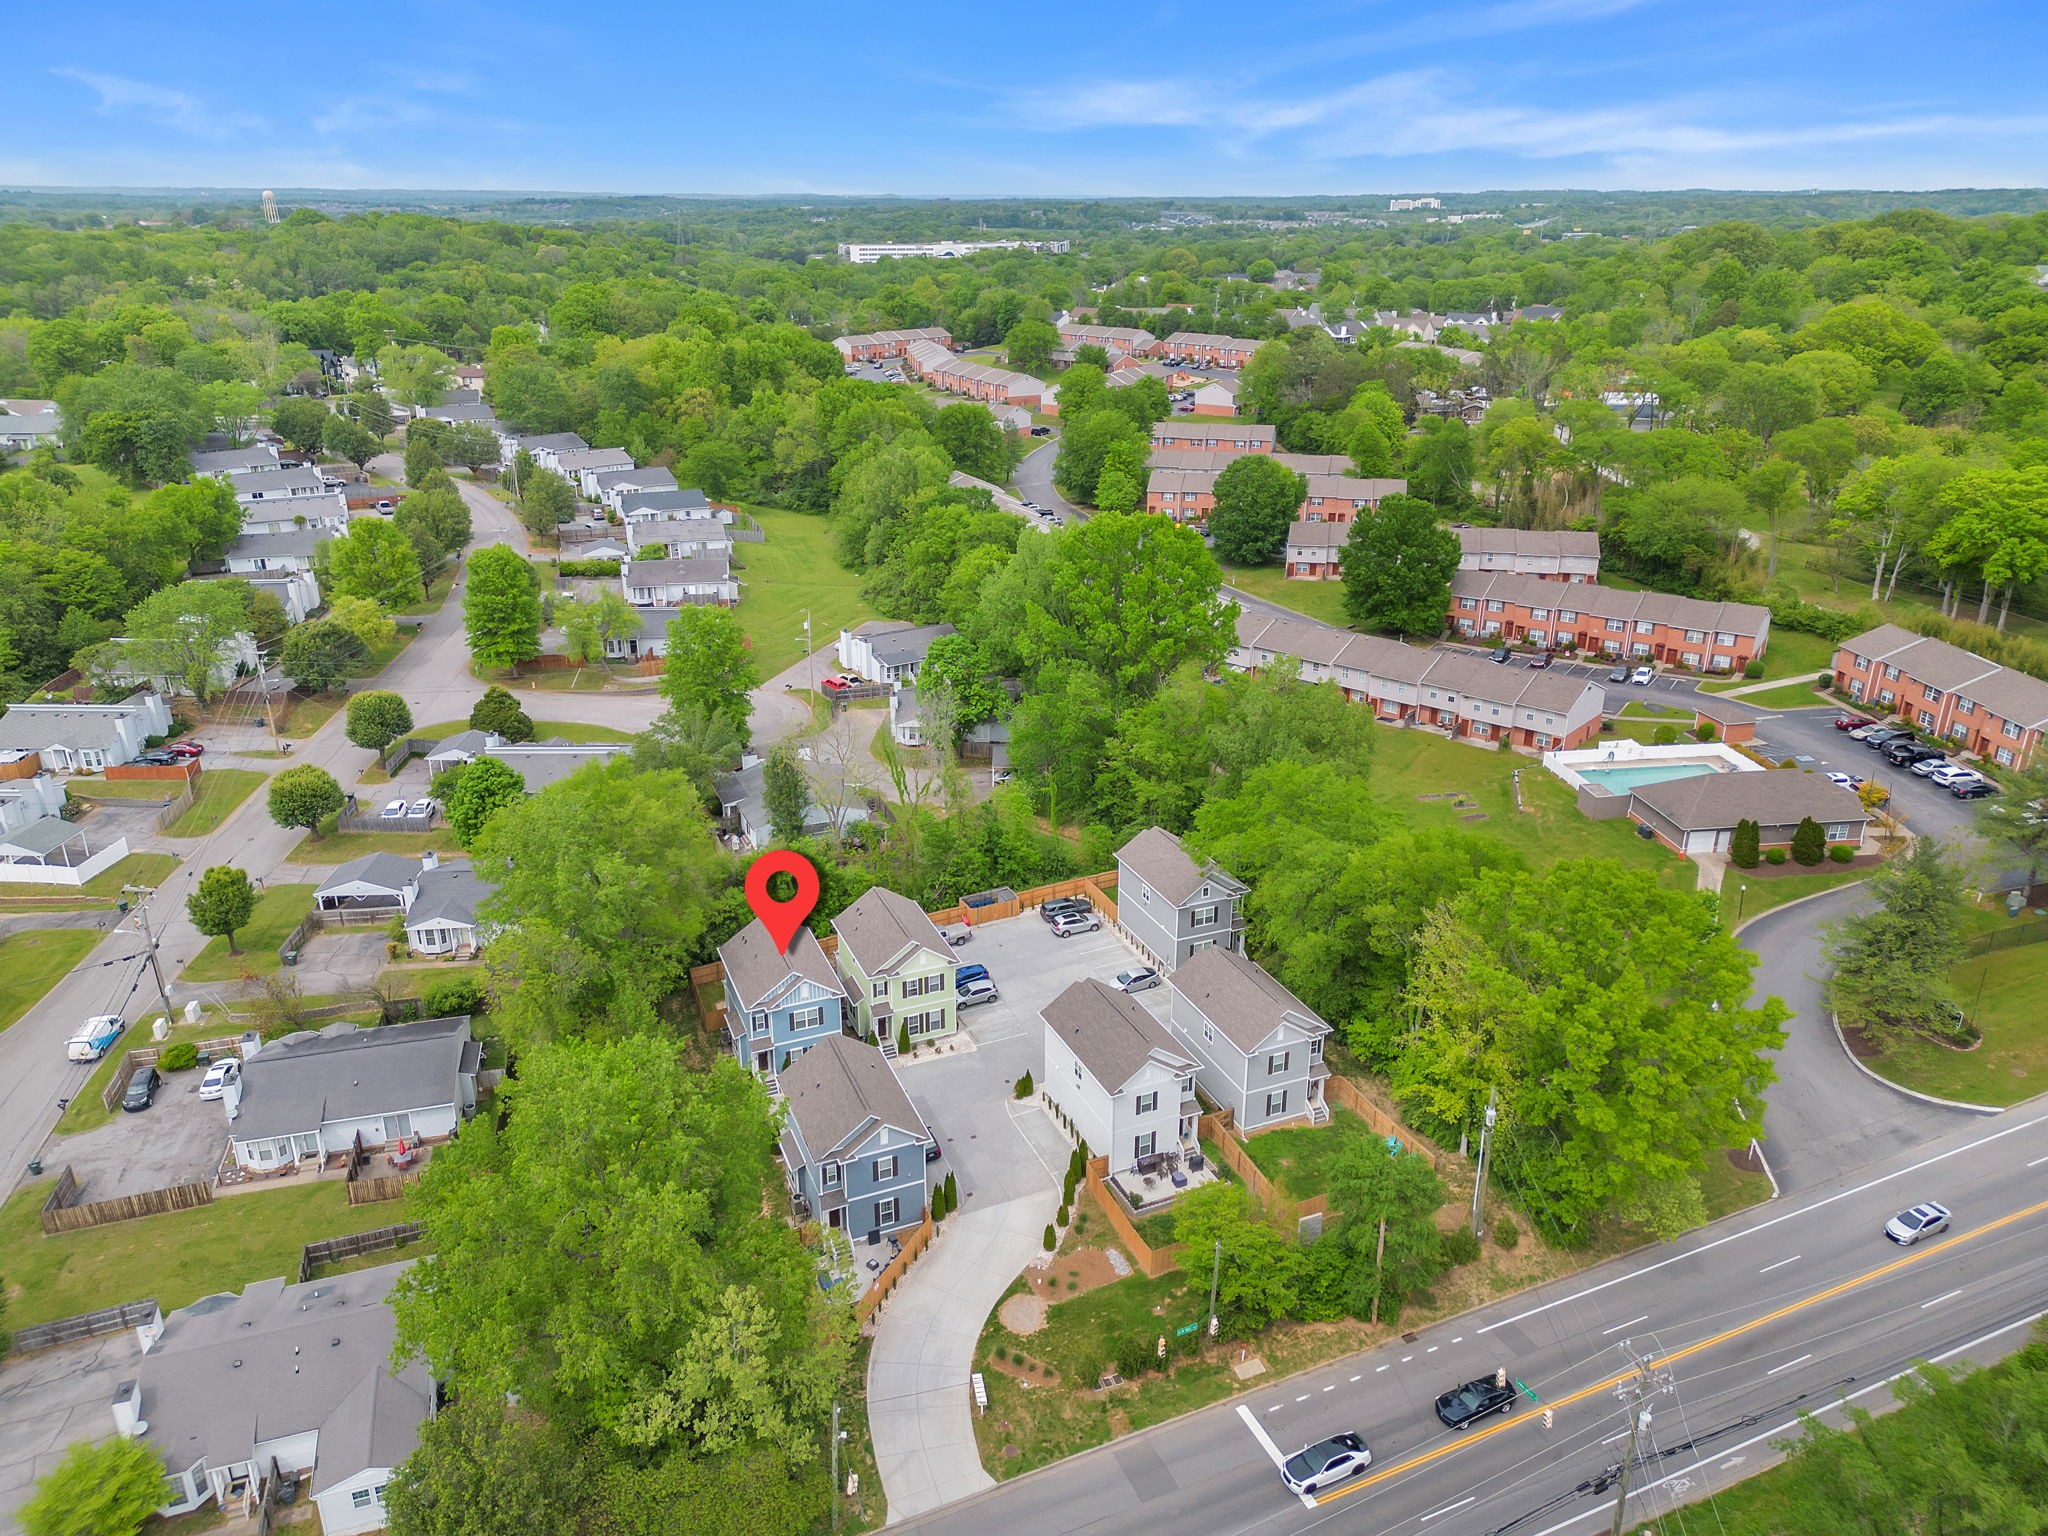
{"x":291,"y":957}
{"x":35,"y":1166}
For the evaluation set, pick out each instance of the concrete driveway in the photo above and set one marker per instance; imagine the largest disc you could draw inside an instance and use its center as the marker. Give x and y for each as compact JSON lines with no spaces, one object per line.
{"x":1007,"y":1159}
{"x":52,"y":1398}
{"x":177,"y":1140}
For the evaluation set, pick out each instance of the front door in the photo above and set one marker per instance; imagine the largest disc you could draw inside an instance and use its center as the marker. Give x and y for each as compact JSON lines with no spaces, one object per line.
{"x":761,"y":1061}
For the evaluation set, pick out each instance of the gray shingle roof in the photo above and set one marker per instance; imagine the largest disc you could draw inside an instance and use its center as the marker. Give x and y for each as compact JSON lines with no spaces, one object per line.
{"x":757,"y":970}
{"x":389,"y":871}
{"x":48,"y":725}
{"x":1611,"y":603}
{"x":220,"y":461}
{"x":41,"y":837}
{"x":448,"y":893}
{"x":1111,"y":1032}
{"x":840,"y":1085}
{"x":472,"y":742}
{"x":559,"y":442}
{"x":685,"y":499}
{"x":2011,"y":695}
{"x":907,"y":645}
{"x":1771,"y":797}
{"x":1307,"y":535}
{"x":1238,"y":997}
{"x":543,"y":764}
{"x":647,"y":477}
{"x":274,"y":481}
{"x":697,"y":570}
{"x":1157,"y":857}
{"x":881,"y":925}
{"x":302,"y":1081}
{"x":1547,"y":543}
{"x":269,"y":546}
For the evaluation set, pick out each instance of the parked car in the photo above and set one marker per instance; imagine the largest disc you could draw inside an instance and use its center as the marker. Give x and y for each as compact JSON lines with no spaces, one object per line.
{"x":394,"y":811}
{"x":1500,"y":656}
{"x":185,"y":749}
{"x":220,"y":1077}
{"x":1905,"y":753}
{"x":1973,"y":789}
{"x":90,"y":1040}
{"x":1909,"y":1226}
{"x":1059,"y":906}
{"x":1041,"y":431}
{"x":1853,"y":722}
{"x":931,"y":1144}
{"x":1326,"y":1463}
{"x":158,"y":759}
{"x":969,"y":973}
{"x":384,"y":506}
{"x":1475,"y":1400}
{"x":835,"y":685}
{"x":1619,"y":674}
{"x":423,"y":807}
{"x":1641,"y":676}
{"x":1846,"y":780}
{"x":1539,"y":661}
{"x":1951,"y":773}
{"x":957,"y":934}
{"x":1067,"y":924}
{"x":141,"y":1092}
{"x":1884,"y":733}
{"x":1927,"y":767}
{"x":1142,"y":979}
{"x":976,"y":992}
{"x":1865,"y":732}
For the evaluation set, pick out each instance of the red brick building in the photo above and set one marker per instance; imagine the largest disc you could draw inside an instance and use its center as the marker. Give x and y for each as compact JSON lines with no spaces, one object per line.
{"x":1647,"y":626}
{"x":878,"y":346}
{"x":1206,"y":351}
{"x":1988,"y":709}
{"x":1214,"y":437}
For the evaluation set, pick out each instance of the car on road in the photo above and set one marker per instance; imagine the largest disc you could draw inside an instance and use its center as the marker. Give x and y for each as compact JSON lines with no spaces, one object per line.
{"x":977,"y":992}
{"x":1060,"y":906}
{"x":220,"y":1077}
{"x":969,"y":973}
{"x":1642,"y":676}
{"x":1143,"y":979}
{"x":1927,"y":767}
{"x":1909,"y":1226}
{"x":141,"y":1091}
{"x":1067,"y":924}
{"x":185,"y":749}
{"x":423,"y":807}
{"x":1973,"y":789}
{"x":1853,"y":722}
{"x":90,"y":1040}
{"x":1475,"y":1400}
{"x":394,"y":811}
{"x":1619,"y":674}
{"x":1041,"y":431}
{"x":1326,"y":1463}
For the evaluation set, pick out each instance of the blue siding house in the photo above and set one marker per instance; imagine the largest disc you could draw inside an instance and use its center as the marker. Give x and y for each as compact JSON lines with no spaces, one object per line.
{"x":852,"y":1145}
{"x":778,"y":1006}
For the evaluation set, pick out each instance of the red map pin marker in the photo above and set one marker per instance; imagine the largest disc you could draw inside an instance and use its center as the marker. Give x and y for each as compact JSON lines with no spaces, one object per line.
{"x":782,"y":918}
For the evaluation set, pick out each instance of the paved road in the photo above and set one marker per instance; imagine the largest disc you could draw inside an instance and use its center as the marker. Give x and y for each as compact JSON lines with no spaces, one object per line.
{"x":1760,"y":1317}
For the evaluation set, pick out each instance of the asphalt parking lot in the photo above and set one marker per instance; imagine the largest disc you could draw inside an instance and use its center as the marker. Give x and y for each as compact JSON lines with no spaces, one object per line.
{"x":996,"y":1147}
{"x":177,"y":1140}
{"x":1809,"y":738}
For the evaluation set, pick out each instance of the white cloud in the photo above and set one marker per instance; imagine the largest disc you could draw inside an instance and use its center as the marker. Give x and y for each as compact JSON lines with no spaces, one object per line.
{"x":161,"y":104}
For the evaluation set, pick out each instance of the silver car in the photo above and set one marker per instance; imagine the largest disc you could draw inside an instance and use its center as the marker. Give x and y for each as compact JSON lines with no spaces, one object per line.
{"x":980,"y":990}
{"x":1141,"y":980}
{"x":1909,"y":1226}
{"x":1326,"y":1463}
{"x":1067,"y":924}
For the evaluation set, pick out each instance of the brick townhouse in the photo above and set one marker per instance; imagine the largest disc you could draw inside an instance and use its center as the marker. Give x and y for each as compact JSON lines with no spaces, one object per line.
{"x":1557,"y":555}
{"x":877,"y":346}
{"x":1214,"y":436}
{"x":1122,"y":340}
{"x":1651,"y":626}
{"x":1189,"y":495}
{"x":1206,"y":351}
{"x":1314,"y":551}
{"x":1989,"y":710}
{"x":1450,"y":692}
{"x":940,"y":369}
{"x":1200,"y":458}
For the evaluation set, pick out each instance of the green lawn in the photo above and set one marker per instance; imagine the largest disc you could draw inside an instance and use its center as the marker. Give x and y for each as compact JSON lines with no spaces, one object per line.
{"x":437,"y":594}
{"x":220,"y":791}
{"x":1408,"y":763}
{"x":175,"y":1258}
{"x":126,"y":789}
{"x":1727,"y":1189}
{"x":340,"y":847}
{"x":33,"y":961}
{"x":1318,"y":599}
{"x":796,"y":570}
{"x":278,"y":911}
{"x":1791,"y":654}
{"x":568,"y":730}
{"x":305,"y":716}
{"x":135,"y":869}
{"x":1639,"y":709}
{"x":1746,"y":896}
{"x":1786,"y":696}
{"x":2001,"y":992}
{"x":1294,"y":1158}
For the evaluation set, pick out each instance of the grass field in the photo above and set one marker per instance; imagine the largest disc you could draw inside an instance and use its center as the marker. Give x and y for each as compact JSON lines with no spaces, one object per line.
{"x":221,"y":790}
{"x":1746,"y":896}
{"x":135,"y":869}
{"x":796,"y":570}
{"x":568,"y":730}
{"x":278,"y":911}
{"x":1785,"y":696}
{"x":306,"y":716}
{"x":437,"y":594}
{"x":127,"y":789}
{"x":33,"y":961}
{"x":1295,"y":1158}
{"x":1318,"y":599}
{"x":340,"y":847}
{"x":177,"y":1257}
{"x":383,"y":655}
{"x":1791,"y":654}
{"x":2001,"y":992}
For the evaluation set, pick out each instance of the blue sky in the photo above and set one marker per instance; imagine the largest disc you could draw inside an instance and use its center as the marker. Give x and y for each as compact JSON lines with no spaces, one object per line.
{"x":1055,"y":98}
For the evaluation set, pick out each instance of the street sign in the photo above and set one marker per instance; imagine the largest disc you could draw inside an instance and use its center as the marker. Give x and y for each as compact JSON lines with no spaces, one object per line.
{"x":1181,"y":1333}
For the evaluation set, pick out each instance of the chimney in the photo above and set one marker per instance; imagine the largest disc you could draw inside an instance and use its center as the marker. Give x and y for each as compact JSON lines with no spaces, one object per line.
{"x":429,"y":860}
{"x":127,"y":1405}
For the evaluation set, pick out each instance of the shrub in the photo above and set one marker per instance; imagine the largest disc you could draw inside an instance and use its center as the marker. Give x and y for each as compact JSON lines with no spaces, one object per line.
{"x":1061,"y":1219}
{"x":179,"y":1056}
{"x":1024,"y":1086}
{"x":1841,"y":853}
{"x":1774,"y":856}
{"x":1809,"y":842}
{"x":1704,"y":730}
{"x":606,"y":568}
{"x":1505,"y":1232}
{"x":499,"y":712}
{"x":902,"y":1039}
{"x":451,"y":995}
{"x":1664,"y":736}
{"x":1135,"y":1355}
{"x":1753,"y":670}
{"x":1459,"y":1246}
{"x":377,"y":718}
{"x":952,"y":1195}
{"x":1002,"y":1353}
{"x":1824,"y":680}
{"x":1052,"y":1239}
{"x":1745,"y":847}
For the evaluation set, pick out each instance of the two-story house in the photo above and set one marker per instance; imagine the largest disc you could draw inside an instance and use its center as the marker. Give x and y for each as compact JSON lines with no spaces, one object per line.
{"x":1171,"y":905}
{"x":705,"y":581}
{"x":852,"y":1144}
{"x":777,"y":1006}
{"x":1122,"y":1079}
{"x":899,"y":970}
{"x":1259,"y":1048}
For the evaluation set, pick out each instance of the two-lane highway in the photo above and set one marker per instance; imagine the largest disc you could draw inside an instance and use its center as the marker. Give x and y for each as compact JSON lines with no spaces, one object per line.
{"x":1737,"y":1329}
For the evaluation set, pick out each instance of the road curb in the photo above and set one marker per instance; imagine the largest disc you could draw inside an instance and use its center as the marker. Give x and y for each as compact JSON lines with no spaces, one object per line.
{"x":1924,"y":1098}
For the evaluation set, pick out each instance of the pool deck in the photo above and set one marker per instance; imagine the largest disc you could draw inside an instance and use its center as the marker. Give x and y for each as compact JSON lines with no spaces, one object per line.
{"x":1616,"y":757}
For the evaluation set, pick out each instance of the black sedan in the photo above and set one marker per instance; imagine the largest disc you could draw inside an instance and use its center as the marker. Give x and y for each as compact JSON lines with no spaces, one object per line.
{"x":142,"y":1089}
{"x":1475,"y":1400}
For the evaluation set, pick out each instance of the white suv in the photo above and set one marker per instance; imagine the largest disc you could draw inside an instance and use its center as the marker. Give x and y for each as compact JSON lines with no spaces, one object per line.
{"x":1953,"y":773}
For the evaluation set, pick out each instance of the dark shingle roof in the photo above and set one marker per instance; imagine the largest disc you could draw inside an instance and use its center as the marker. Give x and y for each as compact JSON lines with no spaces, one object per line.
{"x":880,"y":925}
{"x":1157,"y":857}
{"x":1238,"y":997}
{"x":1771,"y":797}
{"x":839,"y":1085}
{"x":1110,"y":1032}
{"x":757,"y":970}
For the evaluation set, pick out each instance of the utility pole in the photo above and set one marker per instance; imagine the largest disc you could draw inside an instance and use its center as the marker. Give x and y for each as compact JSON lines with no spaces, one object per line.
{"x":149,"y":942}
{"x":1215,"y":1277}
{"x":808,"y":688}
{"x":835,"y":1469}
{"x":1642,"y":1382}
{"x":1485,"y":1152}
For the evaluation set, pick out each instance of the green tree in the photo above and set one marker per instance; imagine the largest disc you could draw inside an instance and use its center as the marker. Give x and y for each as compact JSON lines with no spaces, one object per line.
{"x":974,"y":441}
{"x":345,"y":439}
{"x":1388,"y":1203}
{"x":364,"y":619}
{"x":107,"y":1489}
{"x":1082,"y":388}
{"x":320,"y":656}
{"x":961,"y":667}
{"x":185,"y":637}
{"x":422,"y":453}
{"x":588,"y":626}
{"x":377,"y":718}
{"x":302,"y":424}
{"x":1028,"y":345}
{"x":1397,"y":565}
{"x":1745,"y":849}
{"x":377,"y":561}
{"x":1809,"y":842}
{"x":487,"y":786}
{"x":699,"y":743}
{"x":499,"y":713}
{"x":1085,"y":444}
{"x":1120,"y":487}
{"x":303,"y":796}
{"x":484,"y":1468}
{"x":1257,"y":500}
{"x":786,"y":792}
{"x":470,"y":444}
{"x":223,"y":903}
{"x":1892,"y":960}
{"x":415,"y":375}
{"x":709,"y":664}
{"x":1998,"y":526}
{"x":372,"y":412}
{"x":501,"y":608}
{"x":1259,"y":1269}
{"x":2011,"y":822}
{"x":1377,"y":443}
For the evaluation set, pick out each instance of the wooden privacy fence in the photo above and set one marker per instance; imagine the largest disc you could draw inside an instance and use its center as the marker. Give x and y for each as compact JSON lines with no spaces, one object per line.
{"x":1154,"y":1262}
{"x":331,"y":1250}
{"x":184,"y":772}
{"x":86,"y":1325}
{"x":897,"y":1267}
{"x":1345,"y":1094}
{"x":1221,"y":1134}
{"x":60,"y":1215}
{"x":148,"y":1056}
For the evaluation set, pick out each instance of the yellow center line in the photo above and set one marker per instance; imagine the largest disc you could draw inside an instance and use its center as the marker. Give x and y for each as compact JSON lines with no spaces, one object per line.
{"x":1451,"y":1447}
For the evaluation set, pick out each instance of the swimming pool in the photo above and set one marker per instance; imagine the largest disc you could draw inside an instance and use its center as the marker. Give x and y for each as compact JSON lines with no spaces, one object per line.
{"x":1621,"y":779}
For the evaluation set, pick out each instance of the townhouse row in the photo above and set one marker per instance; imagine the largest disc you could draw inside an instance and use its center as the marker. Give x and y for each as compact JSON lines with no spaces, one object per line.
{"x":1199,"y":349}
{"x":1584,"y":616}
{"x":880,"y":346}
{"x":1315,"y":546}
{"x":1989,"y":710}
{"x":932,"y":363}
{"x":1189,"y":496}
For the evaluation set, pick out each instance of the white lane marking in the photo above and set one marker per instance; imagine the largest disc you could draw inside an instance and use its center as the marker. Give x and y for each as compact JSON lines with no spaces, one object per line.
{"x":1331,"y":1387}
{"x":1303,"y":1398}
{"x":2037,"y":1162}
{"x":1377,"y":1369}
{"x":1781,"y":1263}
{"x":1459,"y":1339}
{"x":1629,"y":1324}
{"x":1612,"y":1438}
{"x":1788,"y":1365}
{"x":1951,"y":1296}
{"x":1468,"y":1499}
{"x":1354,"y":1378}
{"x":1406,"y":1358}
{"x":1431,"y":1350}
{"x":1765,"y":1226}
{"x":1276,"y":1408}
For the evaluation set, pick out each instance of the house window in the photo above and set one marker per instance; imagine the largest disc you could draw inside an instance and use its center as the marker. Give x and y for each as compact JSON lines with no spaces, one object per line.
{"x":2011,"y":730}
{"x":1542,"y":741}
{"x":1276,"y":1103}
{"x":831,"y":1175}
{"x":881,"y":989}
{"x":1200,"y":945}
{"x":360,"y":1498}
{"x":1147,"y":1103}
{"x":1723,"y":639}
{"x":2003,"y":757}
{"x":760,"y":1021}
{"x":1619,"y":626}
{"x":1567,"y":616}
{"x":1208,"y":1033}
{"x":1204,"y":917}
{"x":885,"y":1212}
{"x":1496,"y":607}
{"x":885,"y":1168}
{"x":1891,"y":674}
{"x":1926,"y":720}
{"x":1696,"y":636}
{"x":1933,"y":695}
{"x":1277,"y":1062}
{"x":807,"y":1018}
{"x":1145,"y":893}
{"x":1145,"y":1145}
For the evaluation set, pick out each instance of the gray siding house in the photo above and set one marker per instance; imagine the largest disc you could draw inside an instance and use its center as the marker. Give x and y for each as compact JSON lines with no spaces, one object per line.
{"x":1258,"y":1047}
{"x":852,"y":1145}
{"x":778,"y":1006}
{"x":1172,"y":906}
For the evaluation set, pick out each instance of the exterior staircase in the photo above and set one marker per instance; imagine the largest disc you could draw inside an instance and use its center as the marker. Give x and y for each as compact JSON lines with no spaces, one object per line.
{"x":1318,"y":1112}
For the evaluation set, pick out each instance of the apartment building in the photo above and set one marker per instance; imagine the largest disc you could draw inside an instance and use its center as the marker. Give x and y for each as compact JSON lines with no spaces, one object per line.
{"x":1218,"y":397}
{"x":1314,"y":551}
{"x":1987,"y":709}
{"x":1128,"y":340}
{"x":1554,"y":555}
{"x":1171,"y":906}
{"x":1449,"y":692}
{"x":932,"y":363}
{"x":1189,"y":495}
{"x":1206,"y":351}
{"x":877,"y":346}
{"x":1211,"y":437}
{"x":703,"y":581}
{"x":898,"y":969}
{"x":1649,"y":626}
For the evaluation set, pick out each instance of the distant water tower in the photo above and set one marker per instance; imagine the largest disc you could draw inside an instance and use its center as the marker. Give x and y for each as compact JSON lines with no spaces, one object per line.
{"x":269,"y":206}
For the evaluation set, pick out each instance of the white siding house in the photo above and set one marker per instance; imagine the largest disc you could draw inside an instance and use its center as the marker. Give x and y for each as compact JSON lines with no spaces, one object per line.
{"x":1120,"y":1076}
